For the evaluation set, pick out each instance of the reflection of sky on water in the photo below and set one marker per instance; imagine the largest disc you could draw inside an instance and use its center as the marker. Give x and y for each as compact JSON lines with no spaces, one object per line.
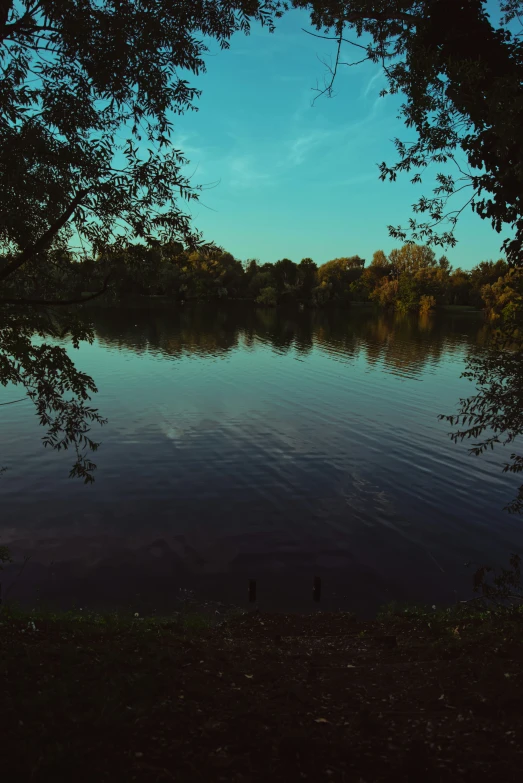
{"x":266,"y":441}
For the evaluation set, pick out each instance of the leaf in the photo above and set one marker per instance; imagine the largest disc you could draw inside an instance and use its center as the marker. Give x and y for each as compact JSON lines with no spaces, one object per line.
{"x":321,"y":720}
{"x":249,"y":676}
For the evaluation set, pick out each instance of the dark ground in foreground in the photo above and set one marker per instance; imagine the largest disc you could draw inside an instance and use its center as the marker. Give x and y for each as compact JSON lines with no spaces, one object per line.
{"x":411,"y":697}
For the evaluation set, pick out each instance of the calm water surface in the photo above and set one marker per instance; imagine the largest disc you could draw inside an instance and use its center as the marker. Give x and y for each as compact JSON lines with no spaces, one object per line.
{"x":261,"y":444}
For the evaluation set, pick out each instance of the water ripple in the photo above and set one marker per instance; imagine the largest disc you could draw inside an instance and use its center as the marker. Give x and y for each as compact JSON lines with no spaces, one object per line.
{"x":268,"y":443}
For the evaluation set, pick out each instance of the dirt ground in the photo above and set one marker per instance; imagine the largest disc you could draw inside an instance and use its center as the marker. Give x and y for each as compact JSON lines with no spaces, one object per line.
{"x":263,"y":697}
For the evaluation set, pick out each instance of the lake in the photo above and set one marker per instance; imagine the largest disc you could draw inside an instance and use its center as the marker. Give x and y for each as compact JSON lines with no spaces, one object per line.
{"x":260,"y":444}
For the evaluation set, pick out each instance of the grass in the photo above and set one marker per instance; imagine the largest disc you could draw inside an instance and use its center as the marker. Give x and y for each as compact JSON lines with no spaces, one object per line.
{"x":478,"y":620}
{"x":418,"y":693}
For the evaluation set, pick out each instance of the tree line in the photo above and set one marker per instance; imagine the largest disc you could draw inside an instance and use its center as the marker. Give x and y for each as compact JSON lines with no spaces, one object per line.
{"x":408,"y":279}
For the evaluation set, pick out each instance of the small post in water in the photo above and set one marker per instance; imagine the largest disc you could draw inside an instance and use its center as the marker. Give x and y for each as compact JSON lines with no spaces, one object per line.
{"x":252,"y":591}
{"x":316,"y":588}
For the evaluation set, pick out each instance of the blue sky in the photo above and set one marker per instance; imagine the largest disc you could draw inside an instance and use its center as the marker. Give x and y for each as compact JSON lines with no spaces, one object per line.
{"x":287,"y":179}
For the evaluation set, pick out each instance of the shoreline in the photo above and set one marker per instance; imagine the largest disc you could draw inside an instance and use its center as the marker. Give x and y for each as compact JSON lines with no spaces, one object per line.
{"x":300,"y":306}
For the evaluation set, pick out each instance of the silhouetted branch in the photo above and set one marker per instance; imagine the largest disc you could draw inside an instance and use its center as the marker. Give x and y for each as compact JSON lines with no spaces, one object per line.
{"x":12,"y":402}
{"x":333,"y":71}
{"x":334,"y":38}
{"x":45,"y":239}
{"x":5,"y":8}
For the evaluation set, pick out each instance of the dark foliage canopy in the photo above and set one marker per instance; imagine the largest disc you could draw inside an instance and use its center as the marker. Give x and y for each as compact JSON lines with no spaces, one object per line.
{"x":89,"y":90}
{"x":461,"y":75}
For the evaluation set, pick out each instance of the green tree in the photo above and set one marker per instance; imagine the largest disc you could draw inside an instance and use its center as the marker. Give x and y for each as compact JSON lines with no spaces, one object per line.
{"x":261,"y":279}
{"x":459,"y":287}
{"x":408,"y":297}
{"x":268,"y":296}
{"x":485,"y":273}
{"x":411,"y":272}
{"x":285,"y":273}
{"x":336,"y":276}
{"x":211,"y":273}
{"x":307,"y":277}
{"x":285,"y":279}
{"x":411,"y":258}
{"x":433,"y":282}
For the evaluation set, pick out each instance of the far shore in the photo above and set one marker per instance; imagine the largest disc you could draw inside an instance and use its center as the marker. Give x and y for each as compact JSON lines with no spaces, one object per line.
{"x":140,"y":299}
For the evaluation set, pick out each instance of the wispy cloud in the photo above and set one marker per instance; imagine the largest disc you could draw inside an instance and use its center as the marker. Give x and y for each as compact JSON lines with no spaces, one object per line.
{"x":373,"y":82}
{"x":329,"y":147}
{"x":289,"y":78}
{"x":194,"y":153}
{"x":312,"y":141}
{"x":334,"y":139}
{"x":357,"y":179}
{"x":244,"y":172}
{"x":301,"y":146}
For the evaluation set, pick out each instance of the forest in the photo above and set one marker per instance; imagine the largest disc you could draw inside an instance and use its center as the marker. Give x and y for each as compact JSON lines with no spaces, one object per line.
{"x":409,"y":279}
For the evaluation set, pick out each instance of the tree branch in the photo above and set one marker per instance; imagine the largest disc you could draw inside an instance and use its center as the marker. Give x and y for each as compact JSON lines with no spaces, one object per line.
{"x":12,"y":402}
{"x":333,"y":71}
{"x":45,"y":239}
{"x":354,"y":17}
{"x":25,"y":25}
{"x":385,"y":16}
{"x":334,"y":38}
{"x":5,"y":8}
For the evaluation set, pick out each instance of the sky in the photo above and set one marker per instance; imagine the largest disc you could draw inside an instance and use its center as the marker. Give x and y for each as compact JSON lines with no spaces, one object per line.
{"x":286,"y":178}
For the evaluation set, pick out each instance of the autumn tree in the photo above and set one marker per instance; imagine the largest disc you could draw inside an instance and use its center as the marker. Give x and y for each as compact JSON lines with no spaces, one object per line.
{"x":411,"y":258}
{"x":379,"y":260}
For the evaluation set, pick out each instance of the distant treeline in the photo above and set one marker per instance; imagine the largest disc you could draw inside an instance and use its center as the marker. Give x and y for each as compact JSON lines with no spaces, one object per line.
{"x":409,"y":279}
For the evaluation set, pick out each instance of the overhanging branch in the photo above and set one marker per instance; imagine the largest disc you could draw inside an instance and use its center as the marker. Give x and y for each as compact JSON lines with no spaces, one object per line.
{"x":5,"y":8}
{"x":45,"y":239}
